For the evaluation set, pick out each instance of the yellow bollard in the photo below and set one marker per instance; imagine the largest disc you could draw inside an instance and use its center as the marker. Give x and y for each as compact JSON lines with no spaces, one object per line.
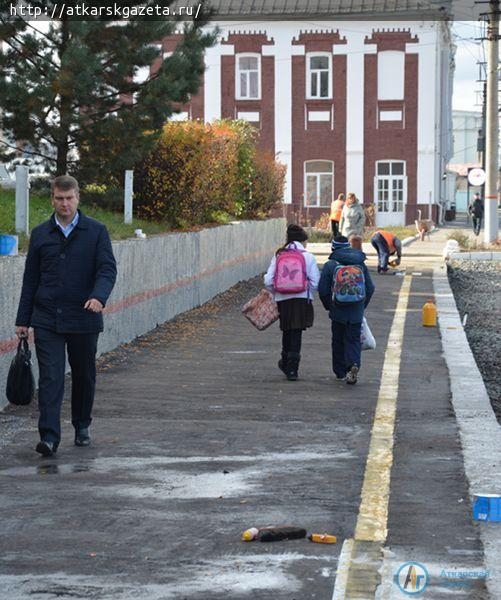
{"x":429,"y":314}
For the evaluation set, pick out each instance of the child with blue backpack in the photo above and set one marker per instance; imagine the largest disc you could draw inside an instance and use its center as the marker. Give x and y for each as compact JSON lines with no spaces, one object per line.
{"x":345,"y":290}
{"x":293,"y":276}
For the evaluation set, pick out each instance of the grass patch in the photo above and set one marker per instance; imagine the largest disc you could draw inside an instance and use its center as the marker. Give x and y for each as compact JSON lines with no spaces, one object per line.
{"x":468,"y":243}
{"x":400,"y":231}
{"x":41,"y":209}
{"x":464,"y":241}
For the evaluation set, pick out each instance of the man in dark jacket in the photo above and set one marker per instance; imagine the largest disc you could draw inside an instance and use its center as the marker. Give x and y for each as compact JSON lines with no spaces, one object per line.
{"x":476,"y":210}
{"x":347,"y":317}
{"x":69,"y":274}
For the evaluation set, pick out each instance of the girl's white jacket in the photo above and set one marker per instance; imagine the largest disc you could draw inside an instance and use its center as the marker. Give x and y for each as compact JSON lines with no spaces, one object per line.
{"x":312,"y":273}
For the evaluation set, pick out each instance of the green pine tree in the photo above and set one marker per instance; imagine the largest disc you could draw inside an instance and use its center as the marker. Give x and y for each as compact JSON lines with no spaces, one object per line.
{"x":72,"y":94}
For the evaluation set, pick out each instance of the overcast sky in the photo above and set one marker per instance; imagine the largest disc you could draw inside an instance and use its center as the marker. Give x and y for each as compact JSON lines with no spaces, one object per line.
{"x":469,"y":50}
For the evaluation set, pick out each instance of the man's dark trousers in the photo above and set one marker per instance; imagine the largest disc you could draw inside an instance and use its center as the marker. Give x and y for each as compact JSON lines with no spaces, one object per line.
{"x":383,"y":252}
{"x":477,"y":224}
{"x":346,"y":346}
{"x":50,"y":348}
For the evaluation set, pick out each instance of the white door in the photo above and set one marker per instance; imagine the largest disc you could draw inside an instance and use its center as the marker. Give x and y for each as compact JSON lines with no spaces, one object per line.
{"x":390,"y":185}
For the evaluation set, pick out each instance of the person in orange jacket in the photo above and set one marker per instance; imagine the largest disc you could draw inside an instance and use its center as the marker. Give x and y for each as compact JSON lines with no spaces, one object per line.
{"x":386,"y":244}
{"x":336,"y":210}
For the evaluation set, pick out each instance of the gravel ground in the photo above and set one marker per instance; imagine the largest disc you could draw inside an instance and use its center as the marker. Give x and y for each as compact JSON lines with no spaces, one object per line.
{"x":477,"y":290}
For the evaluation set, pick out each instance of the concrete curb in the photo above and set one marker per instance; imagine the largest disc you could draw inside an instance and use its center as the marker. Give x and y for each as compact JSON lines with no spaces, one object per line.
{"x":475,"y":256}
{"x":480,"y":433}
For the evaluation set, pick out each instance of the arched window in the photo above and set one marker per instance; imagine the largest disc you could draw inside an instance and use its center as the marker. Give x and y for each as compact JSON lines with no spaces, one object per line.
{"x":318,"y":182}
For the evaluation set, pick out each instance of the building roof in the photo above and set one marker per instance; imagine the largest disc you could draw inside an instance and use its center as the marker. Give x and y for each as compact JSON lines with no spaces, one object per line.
{"x":333,"y":9}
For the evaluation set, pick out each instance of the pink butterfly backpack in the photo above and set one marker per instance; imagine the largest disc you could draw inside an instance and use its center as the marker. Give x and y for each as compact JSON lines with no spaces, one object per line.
{"x":290,"y":272}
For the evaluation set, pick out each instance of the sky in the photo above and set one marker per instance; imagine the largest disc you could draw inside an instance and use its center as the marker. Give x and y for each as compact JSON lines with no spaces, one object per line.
{"x":469,"y":50}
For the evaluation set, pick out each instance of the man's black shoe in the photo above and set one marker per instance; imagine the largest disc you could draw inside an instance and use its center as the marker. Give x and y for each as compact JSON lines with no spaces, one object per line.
{"x":82,"y":437}
{"x":46,"y":448}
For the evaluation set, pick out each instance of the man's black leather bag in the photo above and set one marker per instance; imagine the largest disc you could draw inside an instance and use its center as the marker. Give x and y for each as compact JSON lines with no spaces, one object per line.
{"x":20,"y":381}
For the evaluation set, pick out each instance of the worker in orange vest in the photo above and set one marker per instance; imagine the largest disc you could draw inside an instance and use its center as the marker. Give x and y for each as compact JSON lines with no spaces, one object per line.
{"x":386,"y":244}
{"x":336,"y":210}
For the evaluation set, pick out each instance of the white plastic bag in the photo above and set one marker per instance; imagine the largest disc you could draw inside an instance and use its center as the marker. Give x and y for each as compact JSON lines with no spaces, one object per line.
{"x":366,"y":338}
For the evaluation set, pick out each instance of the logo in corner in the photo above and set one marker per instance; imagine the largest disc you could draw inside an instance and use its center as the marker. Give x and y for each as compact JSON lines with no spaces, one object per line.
{"x":412,"y":578}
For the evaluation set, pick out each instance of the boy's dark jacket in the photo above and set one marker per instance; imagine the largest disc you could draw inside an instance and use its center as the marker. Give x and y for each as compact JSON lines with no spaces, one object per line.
{"x":61,"y":274}
{"x":353,"y":313}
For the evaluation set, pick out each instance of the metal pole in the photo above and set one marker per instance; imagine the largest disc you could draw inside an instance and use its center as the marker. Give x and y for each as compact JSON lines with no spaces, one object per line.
{"x":22,"y":200}
{"x":492,"y":126}
{"x":129,"y":179}
{"x":468,"y":197}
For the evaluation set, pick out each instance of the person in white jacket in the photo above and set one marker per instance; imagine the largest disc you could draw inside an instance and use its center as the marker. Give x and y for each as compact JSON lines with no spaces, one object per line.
{"x":352,"y":218}
{"x":295,"y":309}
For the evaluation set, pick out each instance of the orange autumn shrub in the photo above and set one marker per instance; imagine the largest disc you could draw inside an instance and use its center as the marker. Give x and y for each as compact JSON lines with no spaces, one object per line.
{"x":201,"y":173}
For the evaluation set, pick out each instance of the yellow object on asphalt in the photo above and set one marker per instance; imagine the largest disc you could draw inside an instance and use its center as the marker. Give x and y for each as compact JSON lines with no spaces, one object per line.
{"x":429,"y":314}
{"x":323,"y":538}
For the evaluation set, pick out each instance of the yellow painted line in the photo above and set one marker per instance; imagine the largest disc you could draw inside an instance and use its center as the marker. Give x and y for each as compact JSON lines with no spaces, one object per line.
{"x":373,"y":512}
{"x":358,"y":572}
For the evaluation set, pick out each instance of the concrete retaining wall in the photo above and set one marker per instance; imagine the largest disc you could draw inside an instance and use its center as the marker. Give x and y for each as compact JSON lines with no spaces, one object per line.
{"x":158,"y":278}
{"x":475,"y":256}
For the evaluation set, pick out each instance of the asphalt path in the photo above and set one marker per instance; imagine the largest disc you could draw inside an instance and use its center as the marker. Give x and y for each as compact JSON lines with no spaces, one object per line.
{"x":197,"y":436}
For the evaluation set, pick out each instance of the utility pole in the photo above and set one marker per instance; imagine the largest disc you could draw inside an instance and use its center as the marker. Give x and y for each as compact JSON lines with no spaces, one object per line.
{"x":491,"y":227}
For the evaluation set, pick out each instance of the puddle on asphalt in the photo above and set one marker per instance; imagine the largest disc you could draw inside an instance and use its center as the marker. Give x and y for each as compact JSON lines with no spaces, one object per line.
{"x":187,"y":478}
{"x":46,"y":469}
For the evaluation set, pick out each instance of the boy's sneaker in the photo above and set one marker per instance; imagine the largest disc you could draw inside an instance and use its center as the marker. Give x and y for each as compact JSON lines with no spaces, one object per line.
{"x":352,"y":375}
{"x":46,"y":448}
{"x":338,"y":378}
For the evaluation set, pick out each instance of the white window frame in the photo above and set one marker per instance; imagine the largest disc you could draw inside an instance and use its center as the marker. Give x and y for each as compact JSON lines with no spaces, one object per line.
{"x":390,"y":179}
{"x":309,"y":95}
{"x":317,"y":175}
{"x":238,"y":94}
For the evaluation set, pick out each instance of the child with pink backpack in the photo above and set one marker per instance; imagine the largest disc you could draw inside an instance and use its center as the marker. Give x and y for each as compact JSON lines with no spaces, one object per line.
{"x":292,"y":276}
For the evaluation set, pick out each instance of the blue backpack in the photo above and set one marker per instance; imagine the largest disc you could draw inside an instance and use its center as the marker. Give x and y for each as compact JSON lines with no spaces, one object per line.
{"x":348,"y":284}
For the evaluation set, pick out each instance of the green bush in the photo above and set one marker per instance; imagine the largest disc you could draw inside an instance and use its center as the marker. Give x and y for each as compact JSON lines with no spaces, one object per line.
{"x":464,"y":241}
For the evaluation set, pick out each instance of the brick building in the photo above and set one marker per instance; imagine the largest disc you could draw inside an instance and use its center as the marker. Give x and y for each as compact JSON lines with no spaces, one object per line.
{"x":348,"y":105}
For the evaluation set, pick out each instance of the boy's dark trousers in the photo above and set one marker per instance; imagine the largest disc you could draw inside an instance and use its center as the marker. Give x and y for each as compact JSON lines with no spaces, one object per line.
{"x":383,"y":252}
{"x":477,"y":224}
{"x":50,"y":348}
{"x":346,"y":346}
{"x":335,"y":228}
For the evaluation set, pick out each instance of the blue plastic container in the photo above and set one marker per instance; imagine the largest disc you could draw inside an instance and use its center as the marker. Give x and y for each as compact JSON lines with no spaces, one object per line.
{"x":8,"y":245}
{"x":487,"y":507}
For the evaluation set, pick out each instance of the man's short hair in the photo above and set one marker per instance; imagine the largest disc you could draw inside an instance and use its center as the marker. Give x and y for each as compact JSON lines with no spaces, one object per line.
{"x":64,"y":183}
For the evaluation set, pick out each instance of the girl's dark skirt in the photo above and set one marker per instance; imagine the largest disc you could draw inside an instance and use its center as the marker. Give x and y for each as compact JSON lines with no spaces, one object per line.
{"x":296,"y":313}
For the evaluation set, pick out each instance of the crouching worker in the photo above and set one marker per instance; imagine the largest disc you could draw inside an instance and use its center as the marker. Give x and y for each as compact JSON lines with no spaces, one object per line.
{"x":345,"y":290}
{"x":293,"y":276}
{"x":386,"y":244}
